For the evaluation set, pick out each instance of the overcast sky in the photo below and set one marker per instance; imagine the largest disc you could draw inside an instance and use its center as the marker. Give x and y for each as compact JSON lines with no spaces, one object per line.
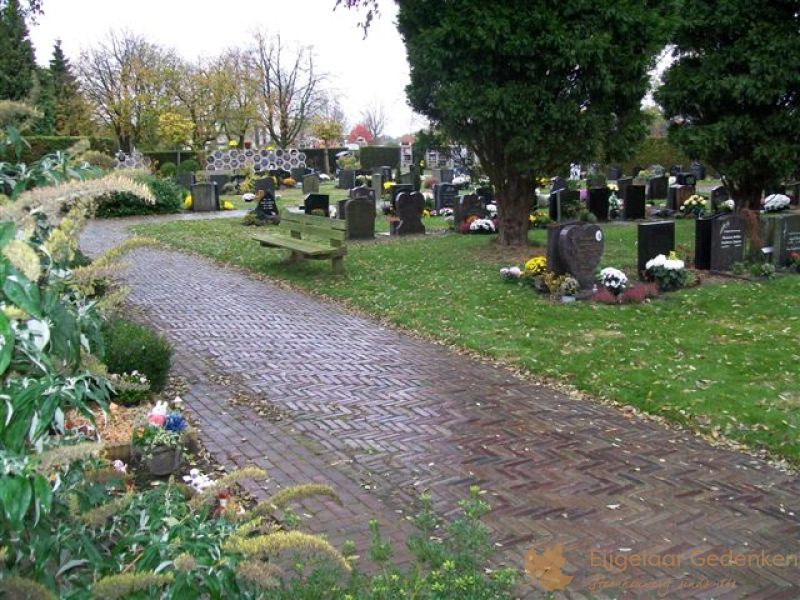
{"x":361,"y":71}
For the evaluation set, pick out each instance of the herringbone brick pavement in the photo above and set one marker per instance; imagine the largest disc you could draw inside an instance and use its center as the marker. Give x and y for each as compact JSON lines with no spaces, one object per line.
{"x":383,"y":416}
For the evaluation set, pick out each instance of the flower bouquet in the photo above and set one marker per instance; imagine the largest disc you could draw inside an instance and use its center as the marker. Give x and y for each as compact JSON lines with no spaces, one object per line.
{"x":669,"y":273}
{"x":569,"y":289}
{"x":534,"y":271}
{"x":776,"y":203}
{"x":158,"y":441}
{"x":482,"y":226}
{"x":613,"y":280}
{"x":511,"y":274}
{"x":694,"y":206}
{"x":794,"y":261}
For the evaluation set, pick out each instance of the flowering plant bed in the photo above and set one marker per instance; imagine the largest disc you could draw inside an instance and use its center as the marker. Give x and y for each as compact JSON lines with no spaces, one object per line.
{"x":669,"y":273}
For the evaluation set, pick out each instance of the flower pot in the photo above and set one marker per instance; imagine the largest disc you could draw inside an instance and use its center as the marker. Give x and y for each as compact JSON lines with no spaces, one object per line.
{"x":164,"y":461}
{"x":567,"y":299}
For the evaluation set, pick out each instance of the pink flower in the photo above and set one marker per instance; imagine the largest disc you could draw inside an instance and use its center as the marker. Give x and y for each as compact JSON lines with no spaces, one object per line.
{"x":157,"y":420}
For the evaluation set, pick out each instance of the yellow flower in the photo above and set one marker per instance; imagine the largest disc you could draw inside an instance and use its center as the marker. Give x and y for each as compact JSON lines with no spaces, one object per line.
{"x":536,"y":265}
{"x":187,"y":202}
{"x":389,"y":185}
{"x":227,"y":205}
{"x":426,"y":213}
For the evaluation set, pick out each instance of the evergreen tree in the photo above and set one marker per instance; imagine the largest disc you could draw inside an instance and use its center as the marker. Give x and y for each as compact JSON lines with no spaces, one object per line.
{"x":17,"y":63}
{"x":71,"y":113}
{"x":43,"y":98}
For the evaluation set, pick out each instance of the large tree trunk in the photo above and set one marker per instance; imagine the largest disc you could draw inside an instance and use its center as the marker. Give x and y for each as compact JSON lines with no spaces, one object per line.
{"x":513,"y":208}
{"x":326,"y":167}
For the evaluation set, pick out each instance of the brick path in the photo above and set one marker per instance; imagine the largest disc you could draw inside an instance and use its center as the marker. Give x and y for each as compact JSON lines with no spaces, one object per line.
{"x":382,"y":415}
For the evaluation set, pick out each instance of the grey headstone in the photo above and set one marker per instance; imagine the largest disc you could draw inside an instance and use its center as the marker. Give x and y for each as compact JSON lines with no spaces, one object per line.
{"x":445,"y":195}
{"x":185,"y":179}
{"x":298,"y":173}
{"x":347,"y":179}
{"x":407,"y":179}
{"x":316,"y":202}
{"x":311,"y":184}
{"x":557,"y":184}
{"x":409,"y":210}
{"x":654,"y":238}
{"x":360,"y":218}
{"x":634,"y":202}
{"x":719,"y":242}
{"x":204,"y":197}
{"x":613,"y":173}
{"x":785,"y":237}
{"x":698,"y":170}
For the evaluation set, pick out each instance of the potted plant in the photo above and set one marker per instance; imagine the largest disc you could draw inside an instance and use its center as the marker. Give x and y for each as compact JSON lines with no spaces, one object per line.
{"x":158,"y":441}
{"x":569,"y":289}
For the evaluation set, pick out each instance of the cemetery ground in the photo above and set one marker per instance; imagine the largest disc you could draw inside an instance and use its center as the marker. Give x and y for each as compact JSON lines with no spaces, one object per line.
{"x":720,"y":358}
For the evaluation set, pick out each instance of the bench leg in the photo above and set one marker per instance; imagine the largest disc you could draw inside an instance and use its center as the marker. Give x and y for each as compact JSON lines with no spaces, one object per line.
{"x":338,"y":265}
{"x":295,"y":257}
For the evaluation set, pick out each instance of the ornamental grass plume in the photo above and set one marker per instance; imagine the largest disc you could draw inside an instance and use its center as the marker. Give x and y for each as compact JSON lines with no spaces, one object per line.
{"x":53,"y":200}
{"x":99,"y":515}
{"x":266,"y":546}
{"x":23,"y":258}
{"x":258,"y":573}
{"x":125,"y":584}
{"x":64,"y":455}
{"x":296,"y":492}
{"x":223,"y":483}
{"x":14,"y":587}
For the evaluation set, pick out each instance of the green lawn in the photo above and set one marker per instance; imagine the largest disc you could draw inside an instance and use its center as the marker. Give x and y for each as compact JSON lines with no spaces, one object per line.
{"x":722,"y":358}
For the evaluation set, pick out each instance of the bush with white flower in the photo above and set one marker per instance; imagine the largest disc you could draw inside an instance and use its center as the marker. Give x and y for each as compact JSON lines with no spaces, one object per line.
{"x":482,"y":226}
{"x":491,"y":209}
{"x":776,"y":202}
{"x":668,"y":272}
{"x":613,"y":280}
{"x":727,"y":206}
{"x":511,"y":273}
{"x":694,"y":206}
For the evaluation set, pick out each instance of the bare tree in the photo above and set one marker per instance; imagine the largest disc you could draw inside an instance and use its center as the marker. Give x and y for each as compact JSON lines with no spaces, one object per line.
{"x":374,"y":119}
{"x":289,"y":87}
{"x":125,"y":79}
{"x":239,"y":71}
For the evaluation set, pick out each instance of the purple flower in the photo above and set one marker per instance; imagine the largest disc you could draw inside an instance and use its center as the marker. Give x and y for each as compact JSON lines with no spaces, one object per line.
{"x":175,"y":422}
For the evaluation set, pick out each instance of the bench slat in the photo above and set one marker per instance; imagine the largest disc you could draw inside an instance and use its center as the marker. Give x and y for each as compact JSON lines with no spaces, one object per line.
{"x":291,"y":217}
{"x":324,"y":233}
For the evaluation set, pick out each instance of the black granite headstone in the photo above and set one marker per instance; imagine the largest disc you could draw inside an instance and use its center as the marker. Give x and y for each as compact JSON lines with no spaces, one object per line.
{"x":654,"y":238}
{"x":719,"y":194}
{"x":467,"y":206}
{"x":634,"y":202}
{"x":613,"y":173}
{"x":557,"y":184}
{"x":486,"y":194}
{"x":575,"y":248}
{"x":598,"y":202}
{"x":698,"y":170}
{"x":267,"y":208}
{"x":674,"y":170}
{"x":398,"y":189}
{"x":657,"y":188}
{"x":409,"y":211}
{"x":445,"y":195}
{"x":622,"y":183}
{"x":719,"y":242}
{"x":317,"y":202}
{"x":685,"y":179}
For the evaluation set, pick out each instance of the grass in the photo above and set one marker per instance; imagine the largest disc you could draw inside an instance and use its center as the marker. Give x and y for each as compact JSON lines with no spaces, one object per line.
{"x":721,"y":358}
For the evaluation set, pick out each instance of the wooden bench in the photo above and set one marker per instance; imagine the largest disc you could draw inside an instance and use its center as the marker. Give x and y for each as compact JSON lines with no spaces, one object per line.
{"x":295,"y":229}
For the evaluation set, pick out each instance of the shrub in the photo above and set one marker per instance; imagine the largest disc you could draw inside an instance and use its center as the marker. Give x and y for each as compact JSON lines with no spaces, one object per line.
{"x":188,"y":166}
{"x":132,"y":347}
{"x":168,"y":199}
{"x":380,"y":156}
{"x":98,"y":159}
{"x":168,"y":169}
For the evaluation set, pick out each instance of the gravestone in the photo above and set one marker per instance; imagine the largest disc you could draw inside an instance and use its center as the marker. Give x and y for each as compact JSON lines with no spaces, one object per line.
{"x":575,"y":248}
{"x":719,"y":242}
{"x":486,"y":194}
{"x":311,"y":184}
{"x":298,"y":173}
{"x":267,"y":184}
{"x":654,"y":238}
{"x":719,"y":194}
{"x":467,"y":206}
{"x":635,"y":171}
{"x":409,"y":211}
{"x":446,"y":176}
{"x":554,"y":207}
{"x":613,"y":173}
{"x":360,"y":218}
{"x":598,"y":202}
{"x":266,"y":209}
{"x":657,"y":188}
{"x":316,"y":202}
{"x":396,"y":190}
{"x":445,"y":195}
{"x":377,"y":185}
{"x":340,"y":209}
{"x":185,"y":179}
{"x":363,"y":191}
{"x":622,"y":183}
{"x":557,"y":184}
{"x":698,"y":170}
{"x":684,"y":178}
{"x":204,"y":197}
{"x":634,"y":198}
{"x":407,"y":179}
{"x":682,"y":194}
{"x":674,"y":170}
{"x":785,"y":237}
{"x":347,"y":179}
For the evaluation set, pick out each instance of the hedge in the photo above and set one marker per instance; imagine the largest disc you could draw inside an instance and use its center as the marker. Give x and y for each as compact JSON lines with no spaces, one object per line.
{"x":48,"y":144}
{"x":168,"y":195}
{"x":656,"y":151}
{"x":159,"y":157}
{"x":315,"y":157}
{"x":379,"y":156}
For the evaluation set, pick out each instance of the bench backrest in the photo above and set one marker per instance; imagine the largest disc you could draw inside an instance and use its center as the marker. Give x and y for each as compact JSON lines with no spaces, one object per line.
{"x":301,"y":226}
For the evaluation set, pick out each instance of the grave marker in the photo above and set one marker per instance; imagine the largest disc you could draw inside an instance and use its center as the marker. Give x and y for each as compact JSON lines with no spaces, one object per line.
{"x":634,"y":199}
{"x":719,"y":242}
{"x":598,"y":202}
{"x":360,"y":218}
{"x":204,"y":198}
{"x":657,"y":187}
{"x":445,"y":195}
{"x":311,"y":184}
{"x":316,"y":202}
{"x":409,"y":211}
{"x":654,"y":238}
{"x":575,"y":248}
{"x":347,"y":179}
